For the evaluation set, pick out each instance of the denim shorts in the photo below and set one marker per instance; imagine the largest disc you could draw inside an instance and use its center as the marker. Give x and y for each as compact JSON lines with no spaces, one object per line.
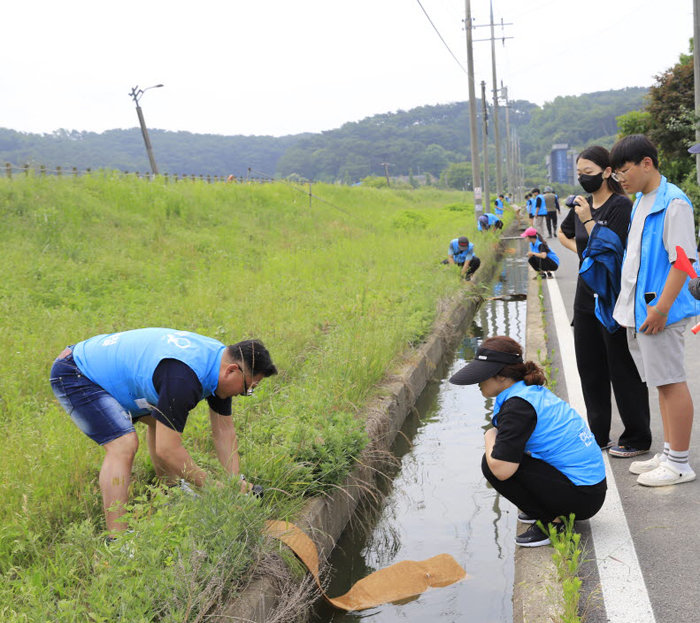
{"x":94,"y":411}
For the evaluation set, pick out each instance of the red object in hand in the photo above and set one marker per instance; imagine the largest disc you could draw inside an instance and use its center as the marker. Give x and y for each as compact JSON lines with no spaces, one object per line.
{"x":683,"y":263}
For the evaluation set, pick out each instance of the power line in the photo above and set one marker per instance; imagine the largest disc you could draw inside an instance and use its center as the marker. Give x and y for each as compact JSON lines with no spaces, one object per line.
{"x":441,"y":39}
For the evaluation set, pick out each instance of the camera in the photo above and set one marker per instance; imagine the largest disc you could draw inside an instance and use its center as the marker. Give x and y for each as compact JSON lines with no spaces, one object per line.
{"x":570,"y":201}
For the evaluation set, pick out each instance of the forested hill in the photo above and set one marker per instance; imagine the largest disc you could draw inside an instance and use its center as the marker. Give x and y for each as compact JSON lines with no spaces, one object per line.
{"x":421,"y":140}
{"x":182,"y":153}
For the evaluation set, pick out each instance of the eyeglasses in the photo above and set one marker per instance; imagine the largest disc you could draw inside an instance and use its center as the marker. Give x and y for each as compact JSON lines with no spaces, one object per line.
{"x":247,"y":391}
{"x":618,"y":176}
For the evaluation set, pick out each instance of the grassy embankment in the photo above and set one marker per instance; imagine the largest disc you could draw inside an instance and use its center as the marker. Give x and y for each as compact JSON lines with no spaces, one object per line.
{"x":338,"y":291}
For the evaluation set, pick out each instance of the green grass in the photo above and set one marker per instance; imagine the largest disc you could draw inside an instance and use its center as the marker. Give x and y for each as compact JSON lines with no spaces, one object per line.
{"x":339,"y":292}
{"x":567,"y":561}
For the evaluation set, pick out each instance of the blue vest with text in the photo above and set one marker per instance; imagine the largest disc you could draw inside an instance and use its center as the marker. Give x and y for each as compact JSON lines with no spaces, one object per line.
{"x":123,"y":363}
{"x":561,"y":437}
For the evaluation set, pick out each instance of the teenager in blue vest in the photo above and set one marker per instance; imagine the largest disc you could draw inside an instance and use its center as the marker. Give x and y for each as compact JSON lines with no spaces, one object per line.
{"x":654,"y":302}
{"x":539,"y":254}
{"x":155,"y":376}
{"x":540,"y":453}
{"x":461,"y":253}
{"x":539,"y":209}
{"x":530,"y":208}
{"x":498,"y":205}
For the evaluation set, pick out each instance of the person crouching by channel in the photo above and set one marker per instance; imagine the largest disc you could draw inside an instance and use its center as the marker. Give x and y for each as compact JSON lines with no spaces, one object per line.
{"x":540,"y":453}
{"x":487,"y":221}
{"x":461,"y":253}
{"x":539,"y":255}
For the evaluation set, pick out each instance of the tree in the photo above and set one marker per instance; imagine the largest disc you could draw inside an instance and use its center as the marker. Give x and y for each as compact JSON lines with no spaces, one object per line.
{"x":671,"y":106}
{"x":434,"y":159}
{"x":457,"y":175}
{"x":634,"y":122}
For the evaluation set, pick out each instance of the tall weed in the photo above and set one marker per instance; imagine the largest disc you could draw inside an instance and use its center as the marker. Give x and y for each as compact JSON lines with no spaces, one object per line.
{"x":337,"y":290}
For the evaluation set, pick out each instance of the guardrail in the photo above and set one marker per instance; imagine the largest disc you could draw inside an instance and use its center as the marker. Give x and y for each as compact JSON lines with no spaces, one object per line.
{"x":12,"y":170}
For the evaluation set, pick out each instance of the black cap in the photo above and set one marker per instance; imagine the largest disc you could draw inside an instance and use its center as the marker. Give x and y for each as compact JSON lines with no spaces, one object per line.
{"x":695,"y":149}
{"x":486,"y":363}
{"x":463,"y":241}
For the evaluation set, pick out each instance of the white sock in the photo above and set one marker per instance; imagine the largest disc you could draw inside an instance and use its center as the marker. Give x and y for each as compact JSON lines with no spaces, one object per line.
{"x":667,"y":449}
{"x":679,"y":459}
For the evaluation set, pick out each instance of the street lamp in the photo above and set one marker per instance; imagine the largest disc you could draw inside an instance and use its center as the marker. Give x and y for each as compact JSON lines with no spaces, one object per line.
{"x":136,"y":94}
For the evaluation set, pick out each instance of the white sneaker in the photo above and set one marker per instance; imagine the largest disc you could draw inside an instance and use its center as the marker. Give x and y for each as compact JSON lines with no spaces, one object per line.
{"x":665,"y":474}
{"x":641,"y":467}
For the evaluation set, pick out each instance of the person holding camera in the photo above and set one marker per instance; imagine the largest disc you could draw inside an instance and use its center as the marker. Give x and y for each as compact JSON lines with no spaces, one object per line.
{"x":602,"y":354}
{"x":539,"y":255}
{"x":540,"y":454}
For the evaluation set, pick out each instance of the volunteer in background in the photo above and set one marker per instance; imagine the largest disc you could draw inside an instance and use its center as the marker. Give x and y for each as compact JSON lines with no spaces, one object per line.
{"x":461,"y":253}
{"x":539,"y":255}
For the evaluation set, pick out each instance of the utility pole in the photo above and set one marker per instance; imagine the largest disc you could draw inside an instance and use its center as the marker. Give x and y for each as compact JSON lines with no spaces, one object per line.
{"x":497,"y":134}
{"x":509,"y":148}
{"x":485,"y":136}
{"x":696,"y":75}
{"x":386,"y":172}
{"x":520,"y":169}
{"x":136,"y":94}
{"x":474,"y":135}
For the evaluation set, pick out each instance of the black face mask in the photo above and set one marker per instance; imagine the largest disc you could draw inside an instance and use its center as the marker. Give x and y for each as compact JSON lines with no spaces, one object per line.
{"x":590,"y":183}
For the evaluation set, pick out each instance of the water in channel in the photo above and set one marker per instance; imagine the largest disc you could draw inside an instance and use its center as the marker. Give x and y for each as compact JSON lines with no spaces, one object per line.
{"x":438,"y":500}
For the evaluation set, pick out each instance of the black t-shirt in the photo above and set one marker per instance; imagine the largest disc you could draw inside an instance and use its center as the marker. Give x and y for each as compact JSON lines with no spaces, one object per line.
{"x":615,"y":214}
{"x":516,"y":422}
{"x":179,"y":391}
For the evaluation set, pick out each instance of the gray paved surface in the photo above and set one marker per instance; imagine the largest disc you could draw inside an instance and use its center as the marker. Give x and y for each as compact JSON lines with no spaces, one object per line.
{"x":664,"y":521}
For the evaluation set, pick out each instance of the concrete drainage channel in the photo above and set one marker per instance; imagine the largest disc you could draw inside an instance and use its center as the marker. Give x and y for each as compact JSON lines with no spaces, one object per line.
{"x":326,"y":519}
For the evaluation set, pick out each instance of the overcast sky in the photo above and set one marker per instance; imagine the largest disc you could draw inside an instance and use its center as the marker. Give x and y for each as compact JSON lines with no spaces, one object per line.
{"x":281,"y":67}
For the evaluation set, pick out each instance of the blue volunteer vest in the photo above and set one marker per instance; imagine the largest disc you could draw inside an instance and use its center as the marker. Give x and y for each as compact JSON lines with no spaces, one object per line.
{"x":535,"y":247}
{"x":123,"y":363}
{"x":492,"y":218}
{"x":461,"y":255}
{"x":561,"y":437}
{"x":498,"y":209}
{"x":655,"y":265}
{"x":542,"y":209}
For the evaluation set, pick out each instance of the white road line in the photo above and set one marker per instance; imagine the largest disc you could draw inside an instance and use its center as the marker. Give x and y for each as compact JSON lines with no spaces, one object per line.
{"x":622,"y":584}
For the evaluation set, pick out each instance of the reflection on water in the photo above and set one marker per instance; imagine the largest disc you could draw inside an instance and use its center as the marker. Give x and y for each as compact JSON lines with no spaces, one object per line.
{"x":438,"y":500}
